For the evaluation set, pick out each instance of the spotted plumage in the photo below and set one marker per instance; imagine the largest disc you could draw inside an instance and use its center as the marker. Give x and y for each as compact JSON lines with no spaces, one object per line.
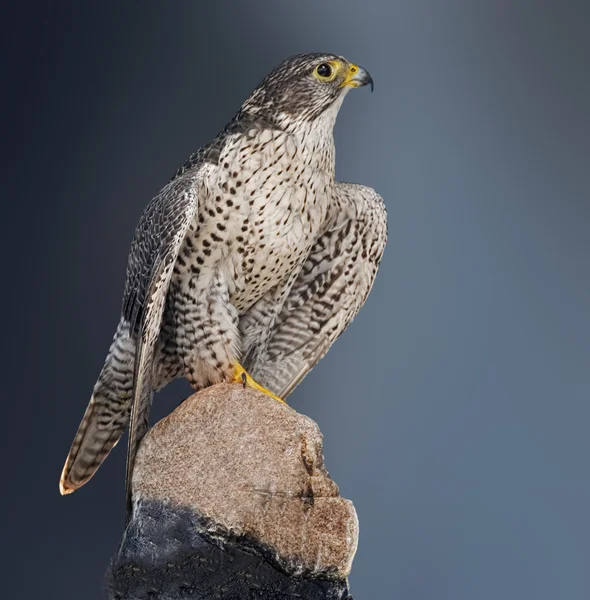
{"x":251,"y":254}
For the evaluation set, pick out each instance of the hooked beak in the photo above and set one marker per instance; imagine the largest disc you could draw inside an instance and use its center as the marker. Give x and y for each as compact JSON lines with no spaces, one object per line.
{"x":357,"y":77}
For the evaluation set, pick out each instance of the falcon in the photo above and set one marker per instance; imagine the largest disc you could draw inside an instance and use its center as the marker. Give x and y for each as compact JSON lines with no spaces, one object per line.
{"x":246,"y":266}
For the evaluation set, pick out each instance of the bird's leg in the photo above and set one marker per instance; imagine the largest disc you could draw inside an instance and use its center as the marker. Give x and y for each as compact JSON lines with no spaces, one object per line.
{"x":241,"y":376}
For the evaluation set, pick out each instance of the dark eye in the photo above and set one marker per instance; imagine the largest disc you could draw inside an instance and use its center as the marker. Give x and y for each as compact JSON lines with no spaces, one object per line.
{"x":324,"y":70}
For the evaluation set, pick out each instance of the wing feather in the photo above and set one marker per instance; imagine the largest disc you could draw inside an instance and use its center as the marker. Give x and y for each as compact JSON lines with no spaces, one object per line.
{"x":330,"y":289}
{"x":154,"y":251}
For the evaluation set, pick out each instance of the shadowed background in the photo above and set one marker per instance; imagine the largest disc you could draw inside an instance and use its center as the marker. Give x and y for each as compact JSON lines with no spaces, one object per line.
{"x":456,"y":408}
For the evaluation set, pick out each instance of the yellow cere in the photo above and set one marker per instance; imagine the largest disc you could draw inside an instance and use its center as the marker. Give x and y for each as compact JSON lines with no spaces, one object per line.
{"x":348,"y":80}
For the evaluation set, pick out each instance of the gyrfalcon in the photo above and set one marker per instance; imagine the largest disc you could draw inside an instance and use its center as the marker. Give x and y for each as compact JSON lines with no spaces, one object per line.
{"x":246,"y":266}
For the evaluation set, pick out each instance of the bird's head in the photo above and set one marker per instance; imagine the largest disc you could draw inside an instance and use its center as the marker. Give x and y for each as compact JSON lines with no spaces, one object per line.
{"x":303,"y":88}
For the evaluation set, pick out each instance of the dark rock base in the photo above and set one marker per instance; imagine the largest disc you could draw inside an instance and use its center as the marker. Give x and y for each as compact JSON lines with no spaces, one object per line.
{"x":165,"y":555}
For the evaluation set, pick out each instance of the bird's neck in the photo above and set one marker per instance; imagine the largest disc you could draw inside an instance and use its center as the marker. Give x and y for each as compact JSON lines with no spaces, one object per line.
{"x":314,"y":138}
{"x":316,"y":145}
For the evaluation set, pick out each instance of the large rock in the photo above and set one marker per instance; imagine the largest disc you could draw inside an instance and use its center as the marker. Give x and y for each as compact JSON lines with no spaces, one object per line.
{"x":231,"y":498}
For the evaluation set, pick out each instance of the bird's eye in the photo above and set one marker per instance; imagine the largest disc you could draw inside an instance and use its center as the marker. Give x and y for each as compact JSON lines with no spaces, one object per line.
{"x":324,"y":71}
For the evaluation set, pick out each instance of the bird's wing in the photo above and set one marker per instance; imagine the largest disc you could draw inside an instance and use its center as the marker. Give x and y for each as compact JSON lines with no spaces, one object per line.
{"x":330,"y":289}
{"x":154,"y":250}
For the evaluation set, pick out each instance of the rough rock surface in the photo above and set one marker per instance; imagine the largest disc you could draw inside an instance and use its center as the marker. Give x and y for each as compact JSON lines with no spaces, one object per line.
{"x":231,"y":500}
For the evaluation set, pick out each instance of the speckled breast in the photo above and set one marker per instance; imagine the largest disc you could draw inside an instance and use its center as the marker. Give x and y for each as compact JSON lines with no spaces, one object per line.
{"x":265,"y":205}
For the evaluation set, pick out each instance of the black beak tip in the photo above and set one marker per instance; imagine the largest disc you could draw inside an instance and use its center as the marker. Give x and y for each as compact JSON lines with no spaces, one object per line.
{"x":368,"y":80}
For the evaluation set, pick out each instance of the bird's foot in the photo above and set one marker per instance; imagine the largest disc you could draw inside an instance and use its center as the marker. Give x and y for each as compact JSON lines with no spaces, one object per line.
{"x":241,"y":376}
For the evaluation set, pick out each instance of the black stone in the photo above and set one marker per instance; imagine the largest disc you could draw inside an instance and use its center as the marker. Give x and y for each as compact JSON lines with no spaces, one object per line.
{"x":166,"y":555}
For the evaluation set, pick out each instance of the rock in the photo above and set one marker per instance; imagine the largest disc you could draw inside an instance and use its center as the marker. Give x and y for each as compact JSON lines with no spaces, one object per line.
{"x":231,"y":499}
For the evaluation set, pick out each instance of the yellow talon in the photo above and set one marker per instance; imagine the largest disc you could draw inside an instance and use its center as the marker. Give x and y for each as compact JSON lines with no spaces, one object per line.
{"x":242,"y":376}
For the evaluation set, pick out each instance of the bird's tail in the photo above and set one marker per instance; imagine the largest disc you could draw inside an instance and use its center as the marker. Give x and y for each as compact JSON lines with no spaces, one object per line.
{"x":105,"y":418}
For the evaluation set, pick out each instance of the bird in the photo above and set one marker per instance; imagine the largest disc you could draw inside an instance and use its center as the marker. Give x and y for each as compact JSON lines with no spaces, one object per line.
{"x":246,"y":266}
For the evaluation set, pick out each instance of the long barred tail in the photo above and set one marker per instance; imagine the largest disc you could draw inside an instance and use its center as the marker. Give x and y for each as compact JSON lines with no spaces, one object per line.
{"x":107,"y":414}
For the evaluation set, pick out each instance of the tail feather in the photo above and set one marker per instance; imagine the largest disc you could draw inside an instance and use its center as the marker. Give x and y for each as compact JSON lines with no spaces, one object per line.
{"x":106,"y":417}
{"x":92,"y":444}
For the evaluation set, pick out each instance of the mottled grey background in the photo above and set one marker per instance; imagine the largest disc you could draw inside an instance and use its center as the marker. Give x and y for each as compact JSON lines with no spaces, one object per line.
{"x":456,"y":408}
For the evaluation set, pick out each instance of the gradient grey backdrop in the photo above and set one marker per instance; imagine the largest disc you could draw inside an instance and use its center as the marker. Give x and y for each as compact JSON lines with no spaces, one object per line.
{"x":456,"y":408}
